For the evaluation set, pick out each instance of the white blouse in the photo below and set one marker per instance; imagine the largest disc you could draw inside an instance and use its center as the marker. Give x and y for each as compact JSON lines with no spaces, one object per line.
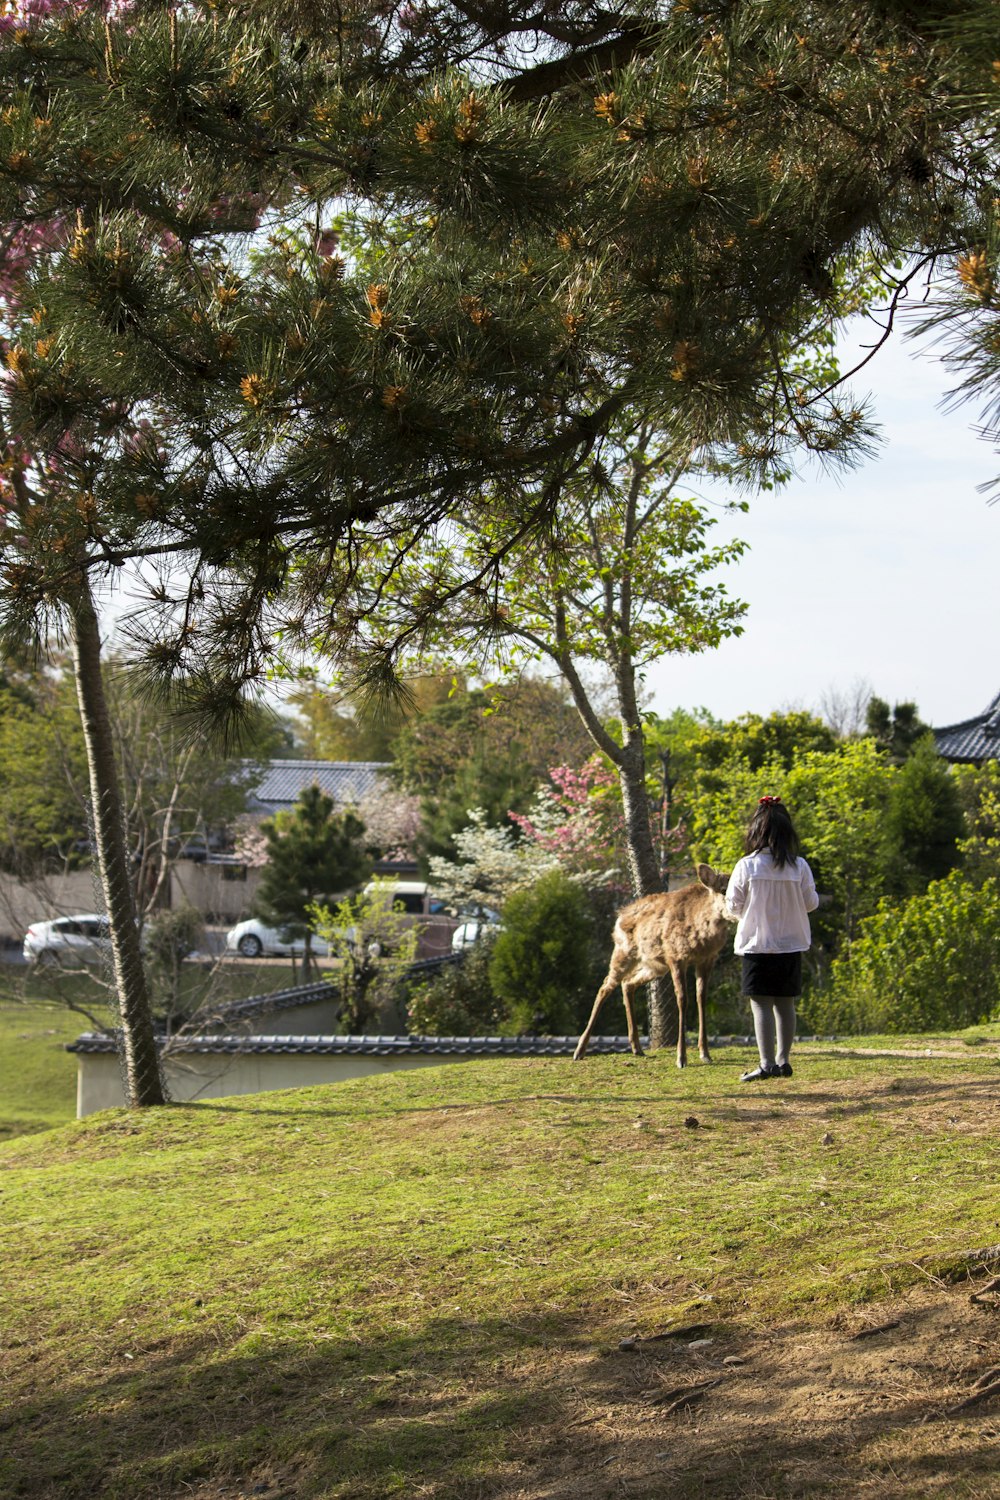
{"x":771,"y":904}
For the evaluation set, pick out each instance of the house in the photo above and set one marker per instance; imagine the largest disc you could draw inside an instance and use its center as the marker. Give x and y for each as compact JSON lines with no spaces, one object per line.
{"x":222,"y":886}
{"x":973,"y":740}
{"x":348,"y":782}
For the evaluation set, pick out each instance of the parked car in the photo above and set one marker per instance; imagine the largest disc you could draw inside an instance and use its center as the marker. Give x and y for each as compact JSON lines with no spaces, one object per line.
{"x":473,"y":930}
{"x":413,"y":896}
{"x":83,"y":939}
{"x":254,"y":939}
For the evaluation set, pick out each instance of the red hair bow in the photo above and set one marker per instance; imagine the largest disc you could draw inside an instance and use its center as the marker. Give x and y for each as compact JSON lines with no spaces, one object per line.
{"x":768,"y":801}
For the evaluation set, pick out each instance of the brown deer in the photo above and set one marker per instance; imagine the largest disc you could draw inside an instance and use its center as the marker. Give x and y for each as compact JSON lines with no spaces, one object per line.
{"x":662,"y":934}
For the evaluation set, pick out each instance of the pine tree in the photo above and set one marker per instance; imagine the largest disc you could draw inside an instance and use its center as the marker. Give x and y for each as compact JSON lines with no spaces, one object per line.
{"x":315,"y":855}
{"x":570,"y":215}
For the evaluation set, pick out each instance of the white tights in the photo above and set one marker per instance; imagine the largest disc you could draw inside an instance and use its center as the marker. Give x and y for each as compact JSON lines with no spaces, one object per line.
{"x":774,"y":1027}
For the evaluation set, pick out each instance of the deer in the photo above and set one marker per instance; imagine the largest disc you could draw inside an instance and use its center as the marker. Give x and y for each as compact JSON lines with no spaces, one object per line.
{"x":661,"y":934}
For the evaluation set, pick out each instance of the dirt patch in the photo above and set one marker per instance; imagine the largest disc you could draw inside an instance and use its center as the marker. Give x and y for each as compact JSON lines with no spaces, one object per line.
{"x":893,"y":1400}
{"x":900,"y":1399}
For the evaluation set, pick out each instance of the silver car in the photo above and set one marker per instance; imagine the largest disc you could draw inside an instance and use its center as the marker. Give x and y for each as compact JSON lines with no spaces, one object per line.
{"x":82,"y":939}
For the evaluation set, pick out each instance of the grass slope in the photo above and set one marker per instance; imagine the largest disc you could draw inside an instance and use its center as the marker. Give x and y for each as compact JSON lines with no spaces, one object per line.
{"x":383,"y":1287}
{"x":37,"y":1074}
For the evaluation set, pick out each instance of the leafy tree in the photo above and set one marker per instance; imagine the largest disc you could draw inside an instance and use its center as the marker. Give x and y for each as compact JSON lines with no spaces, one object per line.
{"x":924,"y":820}
{"x":978,"y":789}
{"x":314,"y":855}
{"x":778,"y":739}
{"x":898,"y":731}
{"x":334,"y":725}
{"x":43,"y":822}
{"x":483,"y":748}
{"x":459,"y":999}
{"x":376,"y":943}
{"x":870,"y":830}
{"x":491,"y":864}
{"x":620,"y":576}
{"x":838,"y":799}
{"x":932,"y":962}
{"x":672,"y":744}
{"x":539,"y":960}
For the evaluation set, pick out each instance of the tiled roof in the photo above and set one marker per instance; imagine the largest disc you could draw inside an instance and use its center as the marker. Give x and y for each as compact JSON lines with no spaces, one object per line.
{"x":376,"y":1046}
{"x":346,"y":781}
{"x":973,"y":739}
{"x":315,"y":994}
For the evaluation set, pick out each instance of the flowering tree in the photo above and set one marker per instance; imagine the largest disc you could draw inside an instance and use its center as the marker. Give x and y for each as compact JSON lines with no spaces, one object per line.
{"x":578,"y":819}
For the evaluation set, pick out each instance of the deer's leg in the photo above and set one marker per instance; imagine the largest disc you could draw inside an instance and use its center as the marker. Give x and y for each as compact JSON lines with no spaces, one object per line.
{"x":628,"y":990}
{"x":677,"y":975}
{"x":611,"y":983}
{"x":701,"y":991}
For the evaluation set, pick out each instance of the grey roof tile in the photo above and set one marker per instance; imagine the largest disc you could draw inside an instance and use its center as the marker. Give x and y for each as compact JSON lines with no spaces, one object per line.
{"x":376,"y":1046}
{"x":972,"y":740}
{"x":347,"y":782}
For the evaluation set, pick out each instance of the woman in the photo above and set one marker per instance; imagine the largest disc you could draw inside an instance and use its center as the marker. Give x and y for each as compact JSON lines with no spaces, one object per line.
{"x":770,"y":891}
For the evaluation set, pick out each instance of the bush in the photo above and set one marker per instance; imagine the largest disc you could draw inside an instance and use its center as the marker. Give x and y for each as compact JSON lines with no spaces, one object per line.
{"x":459,"y":1000}
{"x":540,"y":964}
{"x":932,"y":962}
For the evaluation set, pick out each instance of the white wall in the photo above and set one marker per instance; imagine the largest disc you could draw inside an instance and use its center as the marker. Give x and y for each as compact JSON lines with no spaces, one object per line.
{"x":194,"y":1076}
{"x":25,"y":901}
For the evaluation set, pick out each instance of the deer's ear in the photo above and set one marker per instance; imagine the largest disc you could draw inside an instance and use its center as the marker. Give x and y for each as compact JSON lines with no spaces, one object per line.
{"x":715,"y":880}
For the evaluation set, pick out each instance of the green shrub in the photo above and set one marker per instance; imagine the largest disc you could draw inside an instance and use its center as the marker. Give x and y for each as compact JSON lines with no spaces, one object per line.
{"x":540,"y":966}
{"x":929,"y":963}
{"x":459,"y":1000}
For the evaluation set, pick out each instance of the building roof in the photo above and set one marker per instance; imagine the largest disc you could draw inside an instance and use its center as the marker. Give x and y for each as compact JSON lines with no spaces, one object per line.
{"x":346,"y":781}
{"x":315,"y":994}
{"x":972,"y":740}
{"x":375,"y":1046}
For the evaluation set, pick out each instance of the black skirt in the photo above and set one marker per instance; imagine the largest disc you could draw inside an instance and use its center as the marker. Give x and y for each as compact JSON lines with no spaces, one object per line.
{"x":777,"y":974}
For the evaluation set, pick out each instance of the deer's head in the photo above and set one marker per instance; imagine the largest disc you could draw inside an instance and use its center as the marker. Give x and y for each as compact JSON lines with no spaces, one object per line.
{"x":715,"y":880}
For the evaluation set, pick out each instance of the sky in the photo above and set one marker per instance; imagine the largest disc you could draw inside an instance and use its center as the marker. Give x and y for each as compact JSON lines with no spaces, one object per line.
{"x":886,"y":575}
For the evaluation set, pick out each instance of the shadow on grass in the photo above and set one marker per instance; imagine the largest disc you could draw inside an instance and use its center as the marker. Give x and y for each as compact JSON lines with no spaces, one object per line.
{"x":494,"y":1411}
{"x":451,"y":1407}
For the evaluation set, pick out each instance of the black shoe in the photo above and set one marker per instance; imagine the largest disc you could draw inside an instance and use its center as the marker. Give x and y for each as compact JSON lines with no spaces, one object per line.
{"x":782,"y":1070}
{"x":757,"y":1073}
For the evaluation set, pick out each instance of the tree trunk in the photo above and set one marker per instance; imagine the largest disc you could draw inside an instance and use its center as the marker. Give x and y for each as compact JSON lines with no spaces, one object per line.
{"x":644,"y":871}
{"x":143,"y":1084}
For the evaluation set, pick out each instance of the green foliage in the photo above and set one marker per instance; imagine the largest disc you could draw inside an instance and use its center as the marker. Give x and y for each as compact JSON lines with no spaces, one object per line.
{"x":539,"y":960}
{"x":43,"y":775}
{"x":778,"y":740}
{"x":869,"y":829}
{"x":375,"y":940}
{"x":484,"y":748}
{"x":924,"y":820}
{"x":932,"y":962}
{"x":314,"y":856}
{"x":898,"y":731}
{"x":167,"y":940}
{"x":459,"y":1000}
{"x":979,"y":793}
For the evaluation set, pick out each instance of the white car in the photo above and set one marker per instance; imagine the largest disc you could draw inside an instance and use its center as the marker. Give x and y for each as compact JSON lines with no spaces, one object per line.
{"x":82,"y":939}
{"x":254,"y":939}
{"x":473,"y":930}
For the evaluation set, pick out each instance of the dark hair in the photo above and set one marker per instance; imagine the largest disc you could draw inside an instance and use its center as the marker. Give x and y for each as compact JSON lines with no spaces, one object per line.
{"x":771,"y":828}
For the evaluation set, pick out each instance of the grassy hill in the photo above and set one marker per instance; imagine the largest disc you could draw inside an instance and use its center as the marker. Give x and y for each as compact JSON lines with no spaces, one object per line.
{"x":420,"y":1285}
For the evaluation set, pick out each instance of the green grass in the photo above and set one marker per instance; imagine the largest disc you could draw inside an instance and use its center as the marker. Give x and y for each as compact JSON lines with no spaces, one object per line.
{"x":37,"y":1074}
{"x":356,"y":1291}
